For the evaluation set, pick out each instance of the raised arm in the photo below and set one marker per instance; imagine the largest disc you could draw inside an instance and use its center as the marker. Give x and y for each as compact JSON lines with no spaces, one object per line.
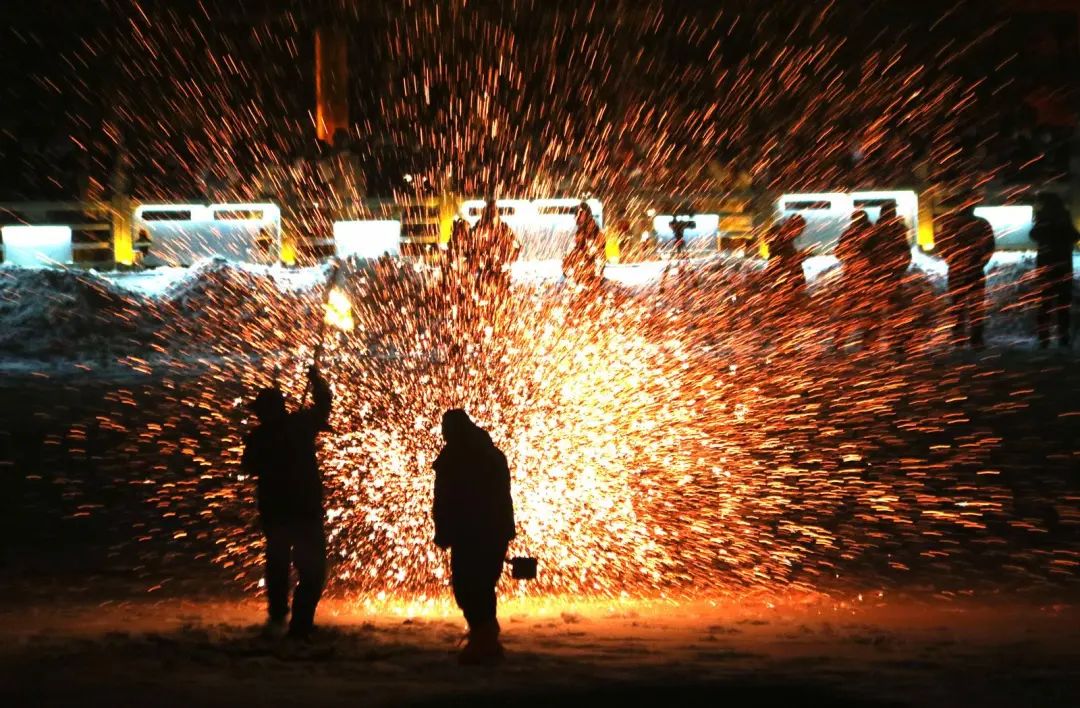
{"x":321,"y":398}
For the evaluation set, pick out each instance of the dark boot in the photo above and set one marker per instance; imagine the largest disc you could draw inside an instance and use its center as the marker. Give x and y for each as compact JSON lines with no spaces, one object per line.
{"x":483,"y":647}
{"x":274,"y":627}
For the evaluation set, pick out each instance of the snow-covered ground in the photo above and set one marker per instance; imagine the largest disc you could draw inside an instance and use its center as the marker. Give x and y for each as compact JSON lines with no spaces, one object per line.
{"x":751,"y":651}
{"x":158,"y":282}
{"x":968,"y":527}
{"x":84,"y":317}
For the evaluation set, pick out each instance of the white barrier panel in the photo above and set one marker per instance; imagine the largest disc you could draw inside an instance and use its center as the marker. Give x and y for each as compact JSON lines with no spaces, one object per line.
{"x":827,"y":214}
{"x":181,"y":234}
{"x":515,"y":213}
{"x":562,"y":213}
{"x":36,"y":246}
{"x":544,"y":227}
{"x":367,"y":239}
{"x":702,"y":235}
{"x":1011,"y":224}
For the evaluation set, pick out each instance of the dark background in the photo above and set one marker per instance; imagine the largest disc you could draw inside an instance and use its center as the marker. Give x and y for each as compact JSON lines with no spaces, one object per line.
{"x":201,"y":94}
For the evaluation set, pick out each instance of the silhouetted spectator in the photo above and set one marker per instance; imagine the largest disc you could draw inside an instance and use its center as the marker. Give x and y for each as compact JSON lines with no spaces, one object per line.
{"x":852,"y":250}
{"x":785,"y":266}
{"x":1055,"y":236}
{"x":888,"y":254}
{"x":280,"y":454}
{"x":493,"y":245}
{"x":584,"y":263}
{"x":888,"y":249}
{"x":142,"y":247}
{"x":458,"y":246}
{"x":474,"y":518}
{"x":966,"y":243}
{"x":854,"y":253}
{"x":264,"y":242}
{"x":679,"y":226}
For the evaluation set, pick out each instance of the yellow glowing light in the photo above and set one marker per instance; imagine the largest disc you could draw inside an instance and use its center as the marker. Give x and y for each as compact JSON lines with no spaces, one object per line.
{"x":611,"y":248}
{"x":925,"y":232}
{"x":288,"y":252}
{"x":339,"y":310}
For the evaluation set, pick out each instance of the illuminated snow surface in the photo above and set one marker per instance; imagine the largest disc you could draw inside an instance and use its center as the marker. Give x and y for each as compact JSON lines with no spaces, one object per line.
{"x":719,"y":499}
{"x":681,"y":432}
{"x":803,"y":653}
{"x":64,"y":317}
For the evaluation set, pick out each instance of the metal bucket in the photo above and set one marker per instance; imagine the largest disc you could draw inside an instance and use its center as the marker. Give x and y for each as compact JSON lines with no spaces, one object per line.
{"x":523,"y":568}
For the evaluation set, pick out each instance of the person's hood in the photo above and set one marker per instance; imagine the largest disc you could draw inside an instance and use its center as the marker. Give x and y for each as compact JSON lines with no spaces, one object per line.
{"x":269,"y":405}
{"x":459,"y":429}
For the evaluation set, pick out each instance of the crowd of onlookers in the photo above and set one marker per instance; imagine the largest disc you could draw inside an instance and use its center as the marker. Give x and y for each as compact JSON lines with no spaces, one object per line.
{"x":876,"y":256}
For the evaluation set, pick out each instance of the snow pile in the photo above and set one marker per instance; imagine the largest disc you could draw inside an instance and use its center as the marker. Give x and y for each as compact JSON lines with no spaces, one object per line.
{"x":51,"y":312}
{"x":227,"y":307}
{"x":184,"y":653}
{"x":72,"y":314}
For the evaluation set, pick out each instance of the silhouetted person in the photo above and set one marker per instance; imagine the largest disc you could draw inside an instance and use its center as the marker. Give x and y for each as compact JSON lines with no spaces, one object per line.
{"x":853,"y":248}
{"x":888,"y":257}
{"x":889,"y":251}
{"x":966,"y":244}
{"x":142,"y":246}
{"x":493,"y":245}
{"x":457,"y":247}
{"x":1055,"y":236}
{"x":679,"y":226}
{"x":264,"y":241}
{"x":280,"y":454}
{"x":785,"y":266}
{"x":474,"y":518}
{"x":584,"y":263}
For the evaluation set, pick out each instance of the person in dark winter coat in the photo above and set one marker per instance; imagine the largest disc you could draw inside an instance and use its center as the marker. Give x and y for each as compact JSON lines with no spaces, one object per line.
{"x":966,"y":244}
{"x":1056,"y":237}
{"x":853,"y":248}
{"x":888,"y":248}
{"x":474,"y":518}
{"x":785,"y":266}
{"x":856,"y":301}
{"x":280,"y":454}
{"x":888,"y":257}
{"x":493,"y":246}
{"x":584,"y":263}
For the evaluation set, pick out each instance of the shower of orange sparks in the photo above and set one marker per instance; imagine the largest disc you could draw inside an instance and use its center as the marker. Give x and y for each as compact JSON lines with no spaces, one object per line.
{"x":641,"y":461}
